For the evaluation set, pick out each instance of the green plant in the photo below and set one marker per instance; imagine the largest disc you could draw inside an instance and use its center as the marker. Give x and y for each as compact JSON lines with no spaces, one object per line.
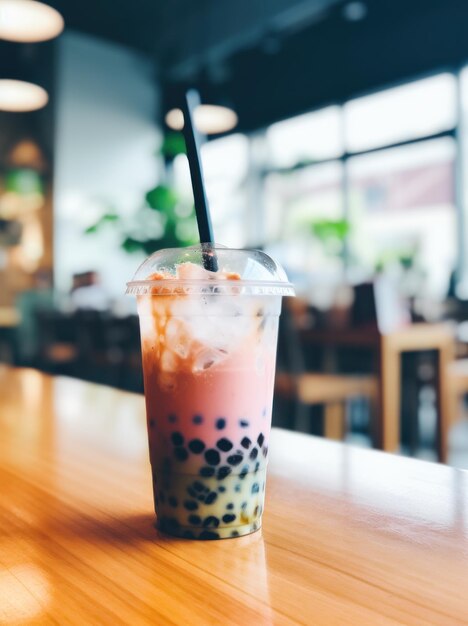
{"x":165,"y":220}
{"x":332,"y":235}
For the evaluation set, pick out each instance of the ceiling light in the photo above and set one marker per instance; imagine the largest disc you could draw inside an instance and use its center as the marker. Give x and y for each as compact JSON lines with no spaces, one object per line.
{"x":19,"y":96}
{"x":28,"y":21}
{"x":210,"y":119}
{"x":354,"y":11}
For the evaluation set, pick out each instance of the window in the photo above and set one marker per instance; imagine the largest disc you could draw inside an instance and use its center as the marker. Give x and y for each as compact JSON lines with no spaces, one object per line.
{"x":418,"y":109}
{"x":310,"y":137}
{"x":401,"y":204}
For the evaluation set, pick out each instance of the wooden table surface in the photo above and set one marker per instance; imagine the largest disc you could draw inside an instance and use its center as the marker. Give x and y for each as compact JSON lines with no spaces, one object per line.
{"x":350,"y":536}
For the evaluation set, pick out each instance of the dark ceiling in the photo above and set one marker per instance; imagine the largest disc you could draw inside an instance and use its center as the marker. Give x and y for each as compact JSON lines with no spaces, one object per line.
{"x":275,"y":58}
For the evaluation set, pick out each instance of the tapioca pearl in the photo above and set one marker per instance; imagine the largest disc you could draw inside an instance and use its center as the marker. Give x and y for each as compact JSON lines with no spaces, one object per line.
{"x":191,"y":491}
{"x":221,"y":489}
{"x":211,"y":497}
{"x":256,"y":509}
{"x":201,"y":498}
{"x":243,"y":423}
{"x":253,"y":454}
{"x":230,"y":506}
{"x":244,"y":506}
{"x":237,"y":488}
{"x":172,"y":418}
{"x":207,"y":471}
{"x":206,"y":489}
{"x":224,"y":444}
{"x":172,"y":501}
{"x":246,"y":443}
{"x":172,"y":523}
{"x":208,"y":534}
{"x":234,"y":533}
{"x":228,"y":518}
{"x":265,"y":451}
{"x":257,"y":467}
{"x":188,"y":534}
{"x":235,"y":459}
{"x":191,"y":505}
{"x":177,"y":439}
{"x":211,"y":520}
{"x":220,"y":423}
{"x":198,"y":486}
{"x":197,"y":419}
{"x":152,"y":423}
{"x":196,"y":446}
{"x":166,"y":466}
{"x":255,"y":488}
{"x":242,"y":475}
{"x":223,"y":472}
{"x":181,"y":454}
{"x":195,"y":520}
{"x":212,"y":457}
{"x":260,"y":439}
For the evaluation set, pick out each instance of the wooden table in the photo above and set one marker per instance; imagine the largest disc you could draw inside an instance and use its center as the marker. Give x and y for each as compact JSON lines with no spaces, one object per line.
{"x":389,"y":349}
{"x":375,"y":539}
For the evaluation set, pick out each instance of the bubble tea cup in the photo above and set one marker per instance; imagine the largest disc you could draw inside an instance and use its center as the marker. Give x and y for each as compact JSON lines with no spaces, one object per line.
{"x":209,"y":348}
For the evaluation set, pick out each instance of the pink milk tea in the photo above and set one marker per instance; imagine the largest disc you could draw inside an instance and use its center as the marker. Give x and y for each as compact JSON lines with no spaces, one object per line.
{"x":209,"y":349}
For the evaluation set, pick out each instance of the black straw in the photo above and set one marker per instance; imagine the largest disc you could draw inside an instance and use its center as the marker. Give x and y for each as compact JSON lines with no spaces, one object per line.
{"x":193,"y":142}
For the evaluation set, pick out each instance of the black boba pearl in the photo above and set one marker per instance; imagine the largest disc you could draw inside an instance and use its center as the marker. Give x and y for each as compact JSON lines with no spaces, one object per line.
{"x":151,"y":423}
{"x":172,"y":501}
{"x":172,"y":523}
{"x":235,"y":459}
{"x":237,"y":488}
{"x":172,"y":418}
{"x":228,"y":518}
{"x":208,"y":534}
{"x":212,"y":456}
{"x":245,"y":443}
{"x":265,"y":451}
{"x":243,"y":423}
{"x":196,"y":446}
{"x":197,"y":419}
{"x":166,"y":466}
{"x":242,"y":475}
{"x":191,"y":505}
{"x":181,"y":454}
{"x":221,"y":489}
{"x":188,"y":534}
{"x":253,"y":454}
{"x":220,"y":423}
{"x":195,"y":520}
{"x":211,"y":497}
{"x":255,"y":488}
{"x":207,"y":471}
{"x":223,"y":472}
{"x":177,"y":439}
{"x":260,"y":439}
{"x":230,"y":506}
{"x":206,"y":489}
{"x":211,"y":520}
{"x":256,"y":510}
{"x":224,"y":444}
{"x":198,"y":486}
{"x":244,"y":506}
{"x":191,"y":492}
{"x":201,"y":498}
{"x":257,"y":466}
{"x":234,"y":533}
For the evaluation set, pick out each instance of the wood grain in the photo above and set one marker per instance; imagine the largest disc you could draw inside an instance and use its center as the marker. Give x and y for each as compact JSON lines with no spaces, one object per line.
{"x":350,"y":536}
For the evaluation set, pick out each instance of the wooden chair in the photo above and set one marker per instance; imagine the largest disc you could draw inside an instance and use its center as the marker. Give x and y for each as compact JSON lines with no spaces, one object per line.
{"x":333,"y":391}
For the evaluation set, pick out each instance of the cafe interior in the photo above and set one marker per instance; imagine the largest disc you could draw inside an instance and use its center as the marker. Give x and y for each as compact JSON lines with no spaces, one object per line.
{"x":333,"y":137}
{"x":347,"y":167}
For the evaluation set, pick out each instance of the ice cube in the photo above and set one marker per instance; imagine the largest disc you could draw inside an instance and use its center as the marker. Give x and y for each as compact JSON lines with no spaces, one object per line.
{"x":206,"y":359}
{"x":168,"y":361}
{"x":181,"y":349}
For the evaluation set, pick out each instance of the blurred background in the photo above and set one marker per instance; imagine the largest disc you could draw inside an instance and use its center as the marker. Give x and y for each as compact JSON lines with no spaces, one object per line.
{"x":336,"y":142}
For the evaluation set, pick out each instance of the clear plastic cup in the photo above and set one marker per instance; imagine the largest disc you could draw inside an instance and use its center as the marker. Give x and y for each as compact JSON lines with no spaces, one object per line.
{"x":209,"y":349}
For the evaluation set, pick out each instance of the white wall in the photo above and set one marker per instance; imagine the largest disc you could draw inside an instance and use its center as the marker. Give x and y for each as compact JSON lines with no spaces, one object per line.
{"x":106,"y":138}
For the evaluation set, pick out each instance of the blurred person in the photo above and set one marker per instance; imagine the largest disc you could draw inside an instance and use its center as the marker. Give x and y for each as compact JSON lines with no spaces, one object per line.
{"x":88,"y":293}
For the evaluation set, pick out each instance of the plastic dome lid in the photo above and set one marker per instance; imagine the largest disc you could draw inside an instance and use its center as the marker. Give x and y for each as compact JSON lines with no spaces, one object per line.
{"x":182,"y":270}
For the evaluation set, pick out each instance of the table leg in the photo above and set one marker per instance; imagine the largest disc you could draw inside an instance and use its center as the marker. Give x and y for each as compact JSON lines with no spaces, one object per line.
{"x":444,"y":357}
{"x":390,"y":394}
{"x":334,"y":420}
